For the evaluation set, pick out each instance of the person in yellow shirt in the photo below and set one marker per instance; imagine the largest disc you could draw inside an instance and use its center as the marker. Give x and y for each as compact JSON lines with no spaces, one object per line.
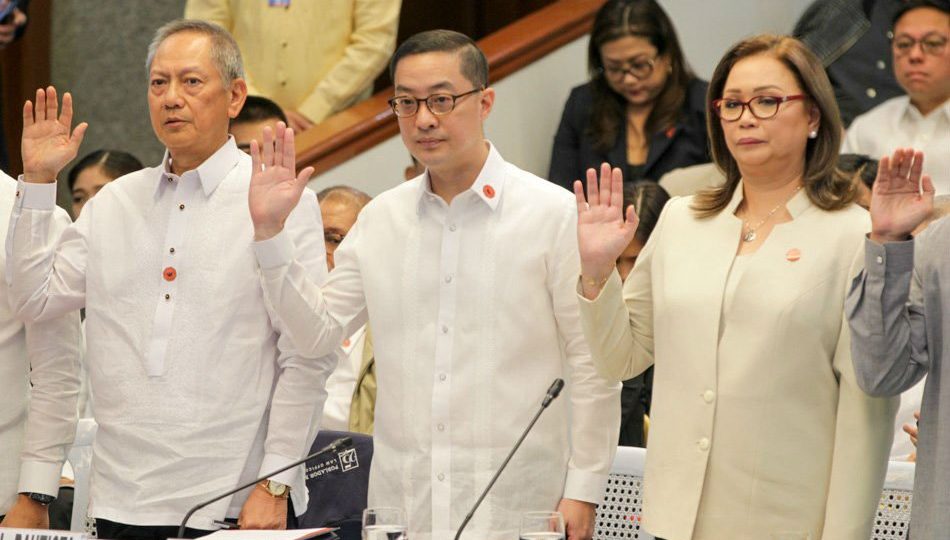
{"x":312,"y":58}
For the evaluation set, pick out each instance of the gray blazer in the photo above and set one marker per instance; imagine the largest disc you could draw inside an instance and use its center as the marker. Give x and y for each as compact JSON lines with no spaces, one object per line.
{"x":899,"y":317}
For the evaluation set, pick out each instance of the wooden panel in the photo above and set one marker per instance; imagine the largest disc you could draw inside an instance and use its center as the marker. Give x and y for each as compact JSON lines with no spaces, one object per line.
{"x":363,"y":126}
{"x":24,"y":67}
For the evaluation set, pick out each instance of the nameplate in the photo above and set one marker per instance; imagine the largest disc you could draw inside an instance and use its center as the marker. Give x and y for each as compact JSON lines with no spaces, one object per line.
{"x":40,"y":534}
{"x":294,"y":534}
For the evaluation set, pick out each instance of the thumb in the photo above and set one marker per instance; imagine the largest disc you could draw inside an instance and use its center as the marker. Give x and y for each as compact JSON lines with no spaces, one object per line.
{"x":304,"y":177}
{"x":78,"y":133}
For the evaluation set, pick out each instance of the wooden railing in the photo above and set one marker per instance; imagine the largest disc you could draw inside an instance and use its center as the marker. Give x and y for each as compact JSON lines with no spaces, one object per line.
{"x":368,"y":123}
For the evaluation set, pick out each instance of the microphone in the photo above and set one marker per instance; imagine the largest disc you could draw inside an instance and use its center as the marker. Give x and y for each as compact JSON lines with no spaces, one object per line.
{"x":550,"y":396}
{"x":332,"y":448}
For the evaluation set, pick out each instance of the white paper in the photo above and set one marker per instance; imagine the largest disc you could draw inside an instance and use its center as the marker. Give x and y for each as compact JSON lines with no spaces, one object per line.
{"x":294,"y":534}
{"x":39,"y":534}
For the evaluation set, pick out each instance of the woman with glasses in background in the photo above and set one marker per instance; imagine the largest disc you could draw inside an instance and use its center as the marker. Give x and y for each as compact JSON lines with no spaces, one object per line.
{"x":642,"y":111}
{"x":758,"y":428}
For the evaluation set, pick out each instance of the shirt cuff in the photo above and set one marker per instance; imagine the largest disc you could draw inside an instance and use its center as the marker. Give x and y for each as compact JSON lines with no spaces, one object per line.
{"x":274,"y":252}
{"x":585,"y":486}
{"x":39,"y":477}
{"x":275,"y":461}
{"x":36,"y":196}
{"x":889,"y":258}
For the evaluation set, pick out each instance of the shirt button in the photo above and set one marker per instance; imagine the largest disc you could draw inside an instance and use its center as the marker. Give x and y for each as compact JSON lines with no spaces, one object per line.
{"x":170,"y":179}
{"x":452,"y":227}
{"x":881,"y":64}
{"x":448,"y":278}
{"x":872,"y":93}
{"x":445,"y":329}
{"x":171,"y":250}
{"x":709,"y":396}
{"x":181,"y":206}
{"x":168,"y":296}
{"x":441,"y":427}
{"x":704,"y":444}
{"x":18,"y":193}
{"x":441,"y":477}
{"x":442,"y":376}
{"x":879,"y":259}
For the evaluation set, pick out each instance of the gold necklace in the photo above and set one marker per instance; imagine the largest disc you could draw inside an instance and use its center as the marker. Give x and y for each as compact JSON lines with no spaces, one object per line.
{"x":750,"y":235}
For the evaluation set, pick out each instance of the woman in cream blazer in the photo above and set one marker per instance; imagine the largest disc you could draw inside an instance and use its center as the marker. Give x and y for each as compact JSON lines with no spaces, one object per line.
{"x":758,"y":426}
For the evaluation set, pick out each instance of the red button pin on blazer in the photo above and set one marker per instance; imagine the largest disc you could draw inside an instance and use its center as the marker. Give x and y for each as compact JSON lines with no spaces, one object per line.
{"x":489,"y":191}
{"x":793,"y":254}
{"x":670,"y":132}
{"x":169,"y":274}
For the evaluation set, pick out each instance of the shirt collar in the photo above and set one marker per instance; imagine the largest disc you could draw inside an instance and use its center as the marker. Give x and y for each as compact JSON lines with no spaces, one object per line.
{"x":211,"y":172}
{"x":488,"y":185}
{"x":795,"y":206}
{"x":912,"y":113}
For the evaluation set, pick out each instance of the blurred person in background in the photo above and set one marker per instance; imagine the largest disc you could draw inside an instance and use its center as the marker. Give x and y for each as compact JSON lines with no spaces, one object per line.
{"x":643,"y":109}
{"x":647,"y":199}
{"x":313,"y":58}
{"x":256,"y":114}
{"x":95,"y":170}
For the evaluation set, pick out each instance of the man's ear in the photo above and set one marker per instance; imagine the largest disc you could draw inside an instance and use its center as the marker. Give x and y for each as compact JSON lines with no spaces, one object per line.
{"x":487,"y":102}
{"x":238,"y":93}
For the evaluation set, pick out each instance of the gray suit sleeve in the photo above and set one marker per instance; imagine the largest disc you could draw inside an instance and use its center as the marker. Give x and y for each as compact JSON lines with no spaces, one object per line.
{"x":885,"y":311}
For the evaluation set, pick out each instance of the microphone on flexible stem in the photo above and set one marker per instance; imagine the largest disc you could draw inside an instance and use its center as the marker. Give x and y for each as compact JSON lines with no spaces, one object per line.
{"x":551,"y":394}
{"x":337,"y":445}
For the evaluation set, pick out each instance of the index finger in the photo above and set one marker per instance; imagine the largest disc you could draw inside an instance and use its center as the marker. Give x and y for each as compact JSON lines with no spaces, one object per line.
{"x":255,"y":156}
{"x":66,"y":116}
{"x":289,"y":152}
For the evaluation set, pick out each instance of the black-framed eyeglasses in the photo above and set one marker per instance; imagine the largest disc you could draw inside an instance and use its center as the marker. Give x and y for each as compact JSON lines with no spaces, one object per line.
{"x":438,"y":104}
{"x":761,"y":107}
{"x":639,"y":69}
{"x":933,"y":44}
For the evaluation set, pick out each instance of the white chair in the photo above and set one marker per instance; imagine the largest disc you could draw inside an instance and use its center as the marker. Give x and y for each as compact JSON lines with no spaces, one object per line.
{"x":893,"y":512}
{"x":618,"y":517}
{"x":80,"y":459}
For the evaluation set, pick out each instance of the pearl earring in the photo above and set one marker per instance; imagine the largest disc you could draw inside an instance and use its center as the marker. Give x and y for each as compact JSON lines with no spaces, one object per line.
{"x":813,"y":135}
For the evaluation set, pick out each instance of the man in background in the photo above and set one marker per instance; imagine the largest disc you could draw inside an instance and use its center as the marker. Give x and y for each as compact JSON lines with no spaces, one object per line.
{"x":921,"y":119}
{"x":258,"y":112}
{"x":351,"y":389}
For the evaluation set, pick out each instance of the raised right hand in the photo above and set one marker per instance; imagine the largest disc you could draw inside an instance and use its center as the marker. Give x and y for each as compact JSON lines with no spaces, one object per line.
{"x":47,"y":144}
{"x":275,"y":187}
{"x":902,"y":198}
{"x":602,"y":231}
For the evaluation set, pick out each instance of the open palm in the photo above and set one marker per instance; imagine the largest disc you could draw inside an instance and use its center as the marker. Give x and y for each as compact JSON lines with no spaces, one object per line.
{"x":47,"y":144}
{"x":902,"y":197}
{"x":603,"y":232}
{"x":275,"y":187}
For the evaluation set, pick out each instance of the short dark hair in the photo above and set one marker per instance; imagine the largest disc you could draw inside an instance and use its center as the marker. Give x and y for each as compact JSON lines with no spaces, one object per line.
{"x":865,"y":167}
{"x":908,"y":5}
{"x":115,"y":163}
{"x":648,"y":199}
{"x":257,"y":108}
{"x":474,"y":63}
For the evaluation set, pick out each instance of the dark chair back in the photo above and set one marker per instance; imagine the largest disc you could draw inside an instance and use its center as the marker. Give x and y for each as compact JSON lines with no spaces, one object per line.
{"x":337,"y":485}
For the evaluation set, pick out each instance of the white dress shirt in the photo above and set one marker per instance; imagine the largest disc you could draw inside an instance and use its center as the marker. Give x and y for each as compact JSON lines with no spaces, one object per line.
{"x":194,"y":388}
{"x":898,"y":124}
{"x":37,"y":424}
{"x":340,"y":385}
{"x":473,"y":315}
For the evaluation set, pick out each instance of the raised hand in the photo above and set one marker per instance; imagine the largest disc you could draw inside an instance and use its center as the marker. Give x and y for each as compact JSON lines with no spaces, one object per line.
{"x":275,"y":189}
{"x":47,"y":144}
{"x":902,"y":198}
{"x":603,"y":232}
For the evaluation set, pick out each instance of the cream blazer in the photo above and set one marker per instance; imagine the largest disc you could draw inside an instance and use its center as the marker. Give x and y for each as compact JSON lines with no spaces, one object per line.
{"x":760,"y":427}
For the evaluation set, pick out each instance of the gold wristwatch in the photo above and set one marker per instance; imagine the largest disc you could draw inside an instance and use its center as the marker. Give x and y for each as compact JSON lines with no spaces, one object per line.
{"x":276,"y":489}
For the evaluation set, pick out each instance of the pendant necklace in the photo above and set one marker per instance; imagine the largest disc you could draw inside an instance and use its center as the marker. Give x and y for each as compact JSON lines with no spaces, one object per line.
{"x":750,"y":235}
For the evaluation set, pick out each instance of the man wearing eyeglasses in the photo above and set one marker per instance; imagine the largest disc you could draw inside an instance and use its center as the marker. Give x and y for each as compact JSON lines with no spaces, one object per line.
{"x":921,"y":119}
{"x":467,"y":274}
